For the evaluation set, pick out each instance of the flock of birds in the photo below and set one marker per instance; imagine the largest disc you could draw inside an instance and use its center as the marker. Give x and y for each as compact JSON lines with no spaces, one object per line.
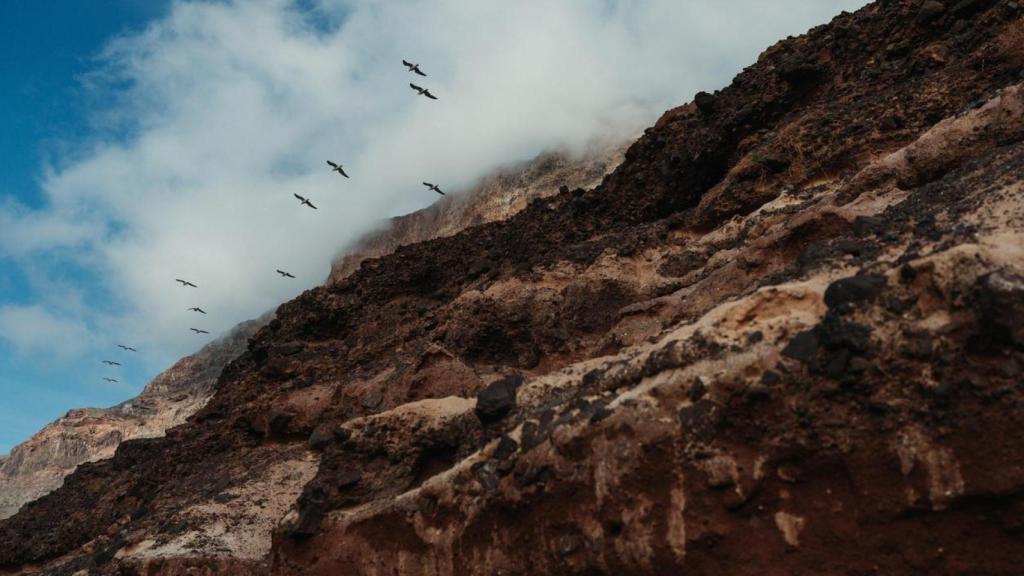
{"x":303,"y":201}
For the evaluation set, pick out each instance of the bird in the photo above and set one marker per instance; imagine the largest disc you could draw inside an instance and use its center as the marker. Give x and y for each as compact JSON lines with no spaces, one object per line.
{"x":110,"y":379}
{"x":126,"y":348}
{"x":305,"y":201}
{"x":185,"y":283}
{"x":337,"y":168}
{"x":423,"y":91}
{"x":433,"y":187}
{"x":413,"y":68}
{"x":198,"y":331}
{"x":285,"y":274}
{"x":111,"y":362}
{"x":197,"y":309}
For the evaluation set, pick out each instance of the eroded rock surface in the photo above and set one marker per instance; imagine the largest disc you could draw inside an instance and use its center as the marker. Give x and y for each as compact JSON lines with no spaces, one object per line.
{"x":782,"y":337}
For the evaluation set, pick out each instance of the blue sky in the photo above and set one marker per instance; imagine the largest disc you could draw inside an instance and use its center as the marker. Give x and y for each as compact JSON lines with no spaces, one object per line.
{"x":147,"y":140}
{"x":45,"y":45}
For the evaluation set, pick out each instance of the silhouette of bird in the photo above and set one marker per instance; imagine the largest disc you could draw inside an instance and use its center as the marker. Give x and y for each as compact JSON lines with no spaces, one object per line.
{"x":111,"y":362}
{"x":285,"y":274}
{"x":126,"y":348}
{"x":110,"y":379}
{"x":185,"y":283}
{"x":305,"y":201}
{"x":337,"y":168}
{"x":433,"y":187}
{"x":198,"y":331}
{"x":413,"y":68}
{"x":423,"y":92}
{"x":196,"y":309}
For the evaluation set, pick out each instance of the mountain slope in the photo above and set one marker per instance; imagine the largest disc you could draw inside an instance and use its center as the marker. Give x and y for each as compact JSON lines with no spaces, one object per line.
{"x":40,"y":464}
{"x":783,"y":336}
{"x":497,"y":197}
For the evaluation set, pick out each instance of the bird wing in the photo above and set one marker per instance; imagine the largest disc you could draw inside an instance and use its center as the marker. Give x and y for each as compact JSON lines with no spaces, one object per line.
{"x":342,"y":170}
{"x":429,"y":95}
{"x":428,"y":184}
{"x":191,"y":284}
{"x":415,"y":87}
{"x":407,"y":64}
{"x":332,"y":164}
{"x":310,"y":204}
{"x":299,"y":197}
{"x":132,"y":349}
{"x":438,"y":190}
{"x":418,"y":71}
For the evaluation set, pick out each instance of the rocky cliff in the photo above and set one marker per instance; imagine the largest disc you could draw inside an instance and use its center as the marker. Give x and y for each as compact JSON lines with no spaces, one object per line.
{"x":782,"y":337}
{"x":40,"y":464}
{"x":496,"y":197}
{"x":84,"y":435}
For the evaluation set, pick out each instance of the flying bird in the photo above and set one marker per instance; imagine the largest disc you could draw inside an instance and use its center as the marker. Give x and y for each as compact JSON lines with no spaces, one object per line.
{"x":413,"y":68}
{"x":433,"y":187}
{"x":198,"y":331}
{"x":110,"y":379}
{"x":305,"y":201}
{"x":126,"y":348}
{"x":111,"y":362}
{"x":337,"y":168}
{"x":285,"y":274}
{"x":423,"y":92}
{"x":197,"y":309}
{"x":185,"y":283}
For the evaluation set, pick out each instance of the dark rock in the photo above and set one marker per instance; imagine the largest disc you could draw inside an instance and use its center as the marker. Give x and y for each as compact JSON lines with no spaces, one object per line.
{"x":600,"y":413}
{"x":287,"y":348}
{"x":798,"y":69}
{"x":705,"y":102}
{"x":506,"y":448}
{"x":310,"y":517}
{"x":498,"y":399}
{"x":348,"y":478}
{"x":697,"y":389}
{"x":322,"y":435}
{"x":967,"y":8}
{"x":755,"y":337}
{"x":999,"y":312}
{"x":803,"y":346}
{"x":278,"y":420}
{"x":701,"y":420}
{"x":770,"y":378}
{"x":864,"y":226}
{"x":372,"y":399}
{"x":853,"y":290}
{"x":835,"y":333}
{"x":342,"y":434}
{"x":929,"y":11}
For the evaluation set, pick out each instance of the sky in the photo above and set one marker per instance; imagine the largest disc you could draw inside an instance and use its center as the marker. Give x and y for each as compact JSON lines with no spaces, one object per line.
{"x":147,"y":140}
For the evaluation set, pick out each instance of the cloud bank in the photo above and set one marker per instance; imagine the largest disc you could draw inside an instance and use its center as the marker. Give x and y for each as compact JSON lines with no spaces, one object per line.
{"x":208,"y":121}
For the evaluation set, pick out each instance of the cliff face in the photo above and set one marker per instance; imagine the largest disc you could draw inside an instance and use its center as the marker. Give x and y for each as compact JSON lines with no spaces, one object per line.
{"x":84,"y":435}
{"x":782,"y":337}
{"x":40,"y":464}
{"x":497,"y":197}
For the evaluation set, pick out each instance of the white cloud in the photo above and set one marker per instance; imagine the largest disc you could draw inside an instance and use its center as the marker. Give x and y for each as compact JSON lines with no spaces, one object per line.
{"x":219,"y":112}
{"x":35,"y":330}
